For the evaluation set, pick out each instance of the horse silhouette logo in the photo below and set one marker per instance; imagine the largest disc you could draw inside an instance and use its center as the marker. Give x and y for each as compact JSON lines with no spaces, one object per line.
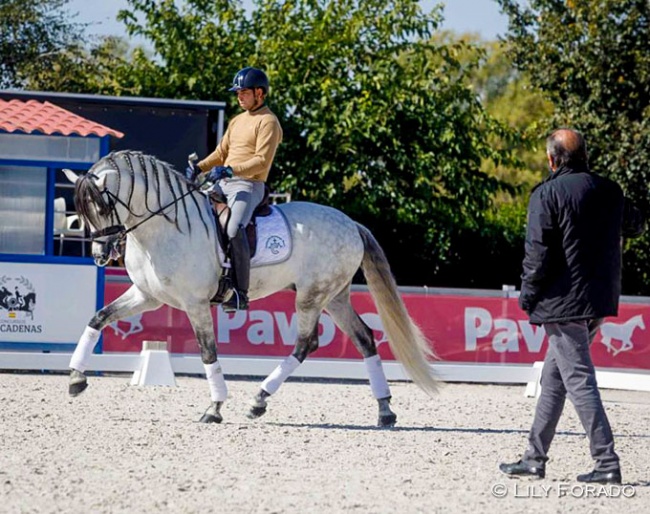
{"x":275,"y":243}
{"x":374,"y":322}
{"x":132,"y":325}
{"x":620,"y":332}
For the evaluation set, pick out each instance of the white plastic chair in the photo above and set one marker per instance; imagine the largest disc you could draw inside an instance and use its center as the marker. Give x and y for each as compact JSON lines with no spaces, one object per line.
{"x":279,"y":197}
{"x":67,"y":226}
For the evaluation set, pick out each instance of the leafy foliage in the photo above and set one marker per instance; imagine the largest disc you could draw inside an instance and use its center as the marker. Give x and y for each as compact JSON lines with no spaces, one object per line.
{"x":198,"y":47}
{"x":381,"y":122}
{"x":35,"y":36}
{"x":508,"y":95}
{"x":592,"y":59}
{"x":379,"y":119}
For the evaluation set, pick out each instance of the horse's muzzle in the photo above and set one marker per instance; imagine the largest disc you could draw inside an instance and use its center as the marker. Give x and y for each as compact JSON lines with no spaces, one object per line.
{"x":109,"y":250}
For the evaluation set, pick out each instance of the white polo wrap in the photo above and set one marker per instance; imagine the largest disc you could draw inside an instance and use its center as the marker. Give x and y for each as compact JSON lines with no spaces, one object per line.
{"x":277,"y":377}
{"x":83,"y":351}
{"x":218,"y":387}
{"x":378,"y":382}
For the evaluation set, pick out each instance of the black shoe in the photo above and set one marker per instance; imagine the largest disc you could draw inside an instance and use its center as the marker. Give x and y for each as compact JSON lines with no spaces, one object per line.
{"x":601,"y":477}
{"x":520,"y":468}
{"x":238,"y":301}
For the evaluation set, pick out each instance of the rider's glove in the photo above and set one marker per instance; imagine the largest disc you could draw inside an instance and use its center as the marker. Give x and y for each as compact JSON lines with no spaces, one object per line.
{"x":219,"y":172}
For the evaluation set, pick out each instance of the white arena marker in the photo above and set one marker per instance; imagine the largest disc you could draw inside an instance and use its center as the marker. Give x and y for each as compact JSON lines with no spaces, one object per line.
{"x":534,"y":385}
{"x":155,"y":366}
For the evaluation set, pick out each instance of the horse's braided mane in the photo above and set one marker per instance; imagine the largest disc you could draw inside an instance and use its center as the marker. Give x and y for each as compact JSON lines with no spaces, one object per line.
{"x":157,"y":175}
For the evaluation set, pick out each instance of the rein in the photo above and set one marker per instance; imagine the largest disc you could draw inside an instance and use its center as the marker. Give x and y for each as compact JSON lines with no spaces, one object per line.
{"x":119,"y":229}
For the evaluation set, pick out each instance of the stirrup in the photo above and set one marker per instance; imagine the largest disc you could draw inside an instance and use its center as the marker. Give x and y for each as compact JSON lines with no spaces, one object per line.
{"x":238,"y":301}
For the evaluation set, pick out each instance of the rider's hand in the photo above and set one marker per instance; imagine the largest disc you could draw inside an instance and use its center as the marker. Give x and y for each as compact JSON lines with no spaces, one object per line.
{"x":219,"y":172}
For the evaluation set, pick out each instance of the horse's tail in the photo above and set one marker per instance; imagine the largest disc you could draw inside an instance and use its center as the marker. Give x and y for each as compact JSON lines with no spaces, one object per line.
{"x":405,"y":338}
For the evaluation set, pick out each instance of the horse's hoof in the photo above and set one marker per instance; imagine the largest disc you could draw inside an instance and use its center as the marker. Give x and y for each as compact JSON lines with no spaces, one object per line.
{"x":258,"y":405}
{"x":212,"y":414}
{"x":78,"y":383}
{"x":77,"y":389}
{"x":387,"y":420}
{"x":255,"y":412}
{"x":211,"y":418}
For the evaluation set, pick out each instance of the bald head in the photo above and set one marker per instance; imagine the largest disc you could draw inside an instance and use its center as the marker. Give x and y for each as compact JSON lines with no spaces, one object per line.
{"x":566,"y":147}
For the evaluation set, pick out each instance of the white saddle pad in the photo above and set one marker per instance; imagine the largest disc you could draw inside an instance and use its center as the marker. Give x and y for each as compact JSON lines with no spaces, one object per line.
{"x":273,"y":240}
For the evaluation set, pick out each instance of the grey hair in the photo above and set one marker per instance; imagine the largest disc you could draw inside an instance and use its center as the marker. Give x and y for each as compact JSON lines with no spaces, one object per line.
{"x":567,"y":146}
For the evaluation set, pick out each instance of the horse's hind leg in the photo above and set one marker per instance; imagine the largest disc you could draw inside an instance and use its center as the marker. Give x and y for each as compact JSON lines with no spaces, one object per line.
{"x":351,"y":323}
{"x":308,"y":311}
{"x":133,"y":301}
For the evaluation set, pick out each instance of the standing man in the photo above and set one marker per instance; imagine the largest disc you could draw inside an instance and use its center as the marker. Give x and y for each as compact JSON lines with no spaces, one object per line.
{"x":240,"y":166}
{"x":571,"y":280}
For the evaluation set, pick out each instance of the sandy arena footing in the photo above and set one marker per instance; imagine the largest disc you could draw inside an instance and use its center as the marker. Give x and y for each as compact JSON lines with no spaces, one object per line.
{"x":119,"y":448}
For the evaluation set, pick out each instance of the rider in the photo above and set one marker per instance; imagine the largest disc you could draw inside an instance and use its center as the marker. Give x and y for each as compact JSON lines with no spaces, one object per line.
{"x":20,"y":303}
{"x":239,"y":166}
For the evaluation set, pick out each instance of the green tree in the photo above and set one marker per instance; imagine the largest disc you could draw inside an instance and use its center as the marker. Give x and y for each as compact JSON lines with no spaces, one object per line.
{"x":382,"y":123}
{"x":379,"y":119}
{"x":197,"y":45}
{"x":592,"y":59}
{"x":91,"y":69}
{"x":35,"y":36}
{"x":507,"y":95}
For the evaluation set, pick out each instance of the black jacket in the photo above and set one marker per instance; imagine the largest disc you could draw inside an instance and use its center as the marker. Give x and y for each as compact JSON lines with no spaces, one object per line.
{"x":572,"y":262}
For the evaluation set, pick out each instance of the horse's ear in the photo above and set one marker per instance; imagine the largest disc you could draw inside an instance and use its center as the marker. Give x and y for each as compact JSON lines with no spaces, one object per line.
{"x":71,"y":175}
{"x":101,"y":181}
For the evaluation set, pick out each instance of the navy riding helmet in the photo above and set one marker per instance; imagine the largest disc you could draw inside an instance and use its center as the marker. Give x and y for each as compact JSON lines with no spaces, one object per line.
{"x":249,"y":78}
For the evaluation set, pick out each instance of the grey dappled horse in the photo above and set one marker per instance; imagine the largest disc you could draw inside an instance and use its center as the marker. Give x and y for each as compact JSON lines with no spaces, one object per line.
{"x":171,"y":258}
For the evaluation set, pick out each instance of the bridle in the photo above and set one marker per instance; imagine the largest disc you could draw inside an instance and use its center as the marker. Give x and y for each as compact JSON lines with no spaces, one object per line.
{"x":117,"y":233}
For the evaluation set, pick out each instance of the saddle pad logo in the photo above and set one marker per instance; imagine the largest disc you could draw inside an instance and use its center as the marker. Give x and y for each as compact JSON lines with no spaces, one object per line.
{"x":275,"y":244}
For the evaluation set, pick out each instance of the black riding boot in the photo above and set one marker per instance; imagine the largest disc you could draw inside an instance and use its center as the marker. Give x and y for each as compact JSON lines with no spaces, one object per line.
{"x":240,"y":260}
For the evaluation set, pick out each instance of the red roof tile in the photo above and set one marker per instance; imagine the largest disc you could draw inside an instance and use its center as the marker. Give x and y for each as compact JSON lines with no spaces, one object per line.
{"x":33,"y":116}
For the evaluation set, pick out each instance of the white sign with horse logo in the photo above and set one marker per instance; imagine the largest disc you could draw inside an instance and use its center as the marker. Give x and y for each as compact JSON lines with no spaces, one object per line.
{"x":506,"y":333}
{"x":45,"y":303}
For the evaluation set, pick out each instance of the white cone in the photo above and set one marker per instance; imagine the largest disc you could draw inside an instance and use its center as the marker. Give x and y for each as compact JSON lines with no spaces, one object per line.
{"x":155,"y":366}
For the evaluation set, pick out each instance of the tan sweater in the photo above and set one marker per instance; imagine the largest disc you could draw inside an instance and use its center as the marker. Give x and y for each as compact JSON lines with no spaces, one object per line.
{"x":248,"y":146}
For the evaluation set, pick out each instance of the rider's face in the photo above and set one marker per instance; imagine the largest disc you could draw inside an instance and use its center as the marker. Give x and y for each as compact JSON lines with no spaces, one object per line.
{"x":250,"y":98}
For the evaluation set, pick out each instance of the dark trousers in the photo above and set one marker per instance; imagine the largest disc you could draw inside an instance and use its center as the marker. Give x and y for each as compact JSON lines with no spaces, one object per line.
{"x":569,"y":371}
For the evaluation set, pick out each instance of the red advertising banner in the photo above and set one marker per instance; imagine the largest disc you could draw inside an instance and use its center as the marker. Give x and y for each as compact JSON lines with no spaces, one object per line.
{"x":462,"y":329}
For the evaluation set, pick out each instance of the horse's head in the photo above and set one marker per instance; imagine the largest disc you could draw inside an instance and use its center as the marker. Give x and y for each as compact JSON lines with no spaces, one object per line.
{"x":101,"y":210}
{"x":123,"y":191}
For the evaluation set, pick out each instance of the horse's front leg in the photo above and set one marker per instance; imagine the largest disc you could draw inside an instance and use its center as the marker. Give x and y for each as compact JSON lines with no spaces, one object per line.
{"x":132,"y":302}
{"x":200,"y":317}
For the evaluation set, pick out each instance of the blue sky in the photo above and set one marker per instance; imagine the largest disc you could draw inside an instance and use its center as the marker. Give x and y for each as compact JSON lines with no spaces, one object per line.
{"x":480,"y":16}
